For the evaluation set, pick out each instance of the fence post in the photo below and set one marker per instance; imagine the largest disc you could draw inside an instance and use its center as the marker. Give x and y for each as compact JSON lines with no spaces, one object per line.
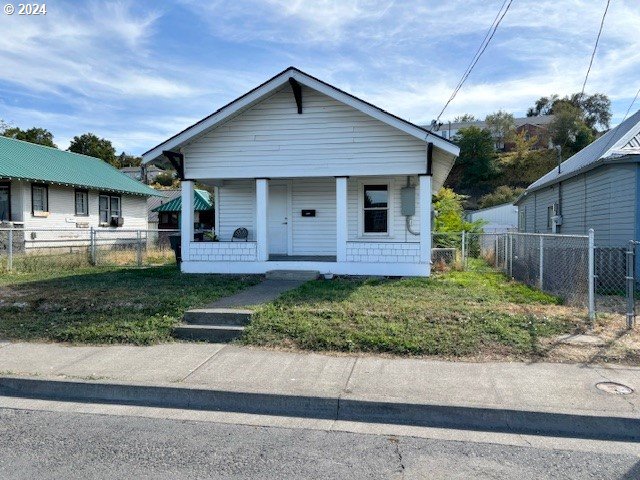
{"x":92,"y":246}
{"x":631,"y":303}
{"x":592,"y":280}
{"x":10,"y":250}
{"x":139,"y":249}
{"x":511,"y":255}
{"x":541,"y":272}
{"x":506,"y":248}
{"x":464,"y":250}
{"x":495,"y":253}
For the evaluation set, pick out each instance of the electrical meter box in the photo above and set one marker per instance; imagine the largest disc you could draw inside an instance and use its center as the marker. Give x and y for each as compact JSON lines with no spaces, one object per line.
{"x":408,"y":201}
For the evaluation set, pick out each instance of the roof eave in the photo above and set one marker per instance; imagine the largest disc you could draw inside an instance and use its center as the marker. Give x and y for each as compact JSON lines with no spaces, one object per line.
{"x":586,"y":168}
{"x":152,"y":193}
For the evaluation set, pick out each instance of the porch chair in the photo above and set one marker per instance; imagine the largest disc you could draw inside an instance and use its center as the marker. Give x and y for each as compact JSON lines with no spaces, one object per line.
{"x":240,"y":234}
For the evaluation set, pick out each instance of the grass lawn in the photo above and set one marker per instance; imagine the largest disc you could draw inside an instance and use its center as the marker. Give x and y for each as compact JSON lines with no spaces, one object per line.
{"x":476,"y":313}
{"x":105,"y":305}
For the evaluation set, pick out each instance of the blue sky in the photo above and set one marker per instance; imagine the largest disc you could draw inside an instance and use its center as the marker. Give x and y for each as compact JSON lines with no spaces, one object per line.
{"x":138,"y":72}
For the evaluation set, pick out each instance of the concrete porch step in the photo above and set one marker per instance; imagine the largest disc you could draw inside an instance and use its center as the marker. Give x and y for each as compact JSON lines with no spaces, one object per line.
{"x":208,"y":333}
{"x":303,"y":275}
{"x":218,"y":316}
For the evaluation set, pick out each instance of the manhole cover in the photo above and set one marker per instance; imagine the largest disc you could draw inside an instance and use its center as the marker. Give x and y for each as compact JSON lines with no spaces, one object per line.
{"x":614,"y":388}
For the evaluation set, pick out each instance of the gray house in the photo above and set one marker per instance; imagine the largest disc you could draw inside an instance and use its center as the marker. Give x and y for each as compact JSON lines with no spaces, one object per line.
{"x":598,"y":187}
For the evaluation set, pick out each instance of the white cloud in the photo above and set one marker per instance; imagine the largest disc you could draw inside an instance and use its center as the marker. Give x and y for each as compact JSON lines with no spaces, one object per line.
{"x":114,"y":67}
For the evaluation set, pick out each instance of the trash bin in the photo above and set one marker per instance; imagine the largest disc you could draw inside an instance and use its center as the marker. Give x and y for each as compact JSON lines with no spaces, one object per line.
{"x":176,"y":246}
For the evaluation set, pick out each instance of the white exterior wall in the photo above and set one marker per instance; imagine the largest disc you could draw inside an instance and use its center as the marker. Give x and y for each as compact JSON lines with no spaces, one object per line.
{"x":317,"y":235}
{"x":330,"y":138}
{"x":313,"y":235}
{"x":500,"y":218}
{"x":61,"y":203}
{"x":383,"y":252}
{"x":223,"y":252}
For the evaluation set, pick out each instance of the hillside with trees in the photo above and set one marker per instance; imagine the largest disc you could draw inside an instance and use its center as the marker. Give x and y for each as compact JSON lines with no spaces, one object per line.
{"x":496,"y":163}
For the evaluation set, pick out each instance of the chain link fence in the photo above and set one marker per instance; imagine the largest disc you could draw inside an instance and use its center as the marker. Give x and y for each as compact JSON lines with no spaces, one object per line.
{"x":30,"y":250}
{"x":556,"y":264}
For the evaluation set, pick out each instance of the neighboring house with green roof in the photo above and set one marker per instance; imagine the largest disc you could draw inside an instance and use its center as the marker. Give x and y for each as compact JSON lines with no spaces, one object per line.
{"x":203,"y":208}
{"x":43,"y":187}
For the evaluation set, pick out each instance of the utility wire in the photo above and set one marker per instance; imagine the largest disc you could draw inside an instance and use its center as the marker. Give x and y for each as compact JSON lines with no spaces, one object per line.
{"x":595,"y":47}
{"x":483,"y":46}
{"x":629,"y":109}
{"x":606,"y":147}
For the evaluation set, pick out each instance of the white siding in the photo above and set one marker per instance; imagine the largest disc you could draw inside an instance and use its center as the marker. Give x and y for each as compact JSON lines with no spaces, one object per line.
{"x":397,"y":222}
{"x":62,"y":208}
{"x":315,"y":235}
{"x":329,"y":138}
{"x":237,"y":206}
{"x":500,"y":218}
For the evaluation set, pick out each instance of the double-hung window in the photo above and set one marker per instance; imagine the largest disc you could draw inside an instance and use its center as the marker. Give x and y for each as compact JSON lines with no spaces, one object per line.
{"x":108,"y":207}
{"x":82,"y":203}
{"x":39,"y":198}
{"x":376,"y":209}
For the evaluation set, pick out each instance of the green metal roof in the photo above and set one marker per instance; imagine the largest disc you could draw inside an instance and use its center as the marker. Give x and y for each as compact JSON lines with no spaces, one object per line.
{"x":21,"y":160}
{"x":202,"y":202}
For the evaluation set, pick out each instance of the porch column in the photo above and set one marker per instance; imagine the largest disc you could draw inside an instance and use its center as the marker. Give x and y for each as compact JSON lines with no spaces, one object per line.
{"x":262,"y":202}
{"x":186,"y":218}
{"x":425,"y":219}
{"x":341,"y":219}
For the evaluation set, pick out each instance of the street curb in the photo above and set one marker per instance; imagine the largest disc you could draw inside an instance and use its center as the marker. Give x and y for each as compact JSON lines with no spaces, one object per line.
{"x":345,"y":408}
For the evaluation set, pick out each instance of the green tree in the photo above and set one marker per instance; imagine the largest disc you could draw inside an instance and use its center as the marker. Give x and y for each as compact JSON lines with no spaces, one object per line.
{"x":466,"y":117}
{"x":125,"y":160}
{"x":502,"y":126}
{"x":92,"y":145}
{"x":501,"y":195}
{"x":450,"y":219}
{"x":477,"y":155}
{"x":40,"y":136}
{"x":595,"y":109}
{"x":166,"y":179}
{"x":568,"y":129}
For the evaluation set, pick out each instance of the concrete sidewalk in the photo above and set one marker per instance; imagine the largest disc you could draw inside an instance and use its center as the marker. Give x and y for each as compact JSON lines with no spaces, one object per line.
{"x":380,"y":389}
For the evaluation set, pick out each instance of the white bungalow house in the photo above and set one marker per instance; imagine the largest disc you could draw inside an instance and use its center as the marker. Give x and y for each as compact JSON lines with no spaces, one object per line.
{"x":320,"y":179}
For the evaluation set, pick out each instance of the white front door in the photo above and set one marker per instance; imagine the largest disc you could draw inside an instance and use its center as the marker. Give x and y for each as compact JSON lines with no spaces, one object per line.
{"x":277,"y":220}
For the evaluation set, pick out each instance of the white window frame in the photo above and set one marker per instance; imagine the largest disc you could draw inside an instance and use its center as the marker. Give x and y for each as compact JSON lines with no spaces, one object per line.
{"x":522,"y":219}
{"x":109,"y":210}
{"x":372,"y":182}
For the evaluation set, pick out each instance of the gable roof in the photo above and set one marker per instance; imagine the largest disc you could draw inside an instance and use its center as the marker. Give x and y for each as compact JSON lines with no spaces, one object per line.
{"x":621,"y":141}
{"x":254,"y":96}
{"x":202,"y":202}
{"x":21,"y":160}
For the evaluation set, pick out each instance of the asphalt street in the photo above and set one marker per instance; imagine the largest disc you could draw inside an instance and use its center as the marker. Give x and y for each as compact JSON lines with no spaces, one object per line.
{"x":48,"y":445}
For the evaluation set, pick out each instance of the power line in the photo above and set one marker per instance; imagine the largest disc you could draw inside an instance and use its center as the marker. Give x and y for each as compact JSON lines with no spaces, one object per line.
{"x":629,"y":109}
{"x":606,"y":147}
{"x":483,"y":46}
{"x":595,"y":47}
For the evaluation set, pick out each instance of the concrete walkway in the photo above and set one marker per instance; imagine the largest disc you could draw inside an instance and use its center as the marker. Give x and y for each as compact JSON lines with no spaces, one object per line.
{"x":362,"y":388}
{"x":264,"y":292}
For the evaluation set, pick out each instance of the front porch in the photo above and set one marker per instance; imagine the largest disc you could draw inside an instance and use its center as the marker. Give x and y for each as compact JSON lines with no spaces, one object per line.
{"x":342,"y":225}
